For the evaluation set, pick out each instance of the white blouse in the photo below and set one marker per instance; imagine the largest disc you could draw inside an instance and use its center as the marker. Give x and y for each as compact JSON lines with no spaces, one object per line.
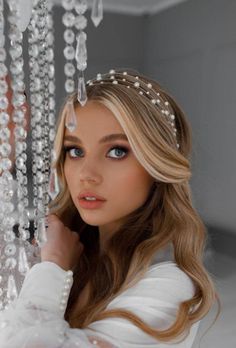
{"x":36,"y":318}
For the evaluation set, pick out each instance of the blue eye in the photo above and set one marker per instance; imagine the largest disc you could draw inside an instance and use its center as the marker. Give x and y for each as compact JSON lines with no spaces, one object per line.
{"x":119,"y":150}
{"x":74,"y":152}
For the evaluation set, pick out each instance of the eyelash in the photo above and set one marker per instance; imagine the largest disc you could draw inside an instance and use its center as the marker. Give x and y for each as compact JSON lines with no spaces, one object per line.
{"x":122,"y":148}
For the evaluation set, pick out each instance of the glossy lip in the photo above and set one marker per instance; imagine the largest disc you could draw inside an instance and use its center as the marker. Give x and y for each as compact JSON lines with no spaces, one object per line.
{"x":90,"y":194}
{"x":90,"y":204}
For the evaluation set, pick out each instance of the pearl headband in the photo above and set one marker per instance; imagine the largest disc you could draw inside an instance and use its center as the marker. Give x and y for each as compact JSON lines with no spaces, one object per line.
{"x":145,"y":89}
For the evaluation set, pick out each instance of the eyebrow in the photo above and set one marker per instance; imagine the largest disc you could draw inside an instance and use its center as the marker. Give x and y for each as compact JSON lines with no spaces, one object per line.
{"x":105,"y":139}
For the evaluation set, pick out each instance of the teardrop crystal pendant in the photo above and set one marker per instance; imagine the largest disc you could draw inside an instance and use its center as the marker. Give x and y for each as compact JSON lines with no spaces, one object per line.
{"x":11,"y":289}
{"x":97,"y":12}
{"x":54,"y":188}
{"x":40,"y":235}
{"x":71,"y":120}
{"x":82,"y":94}
{"x":23,"y":265}
{"x":81,"y":51}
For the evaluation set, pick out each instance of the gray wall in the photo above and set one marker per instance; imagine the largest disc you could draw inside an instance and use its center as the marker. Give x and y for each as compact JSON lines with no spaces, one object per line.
{"x":191,"y":49}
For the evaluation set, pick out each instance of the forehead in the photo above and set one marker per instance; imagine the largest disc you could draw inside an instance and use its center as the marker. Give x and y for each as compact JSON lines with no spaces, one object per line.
{"x":94,"y":118}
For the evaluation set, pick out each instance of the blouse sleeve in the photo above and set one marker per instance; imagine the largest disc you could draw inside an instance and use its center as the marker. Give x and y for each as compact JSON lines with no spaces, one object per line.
{"x":36,"y":318}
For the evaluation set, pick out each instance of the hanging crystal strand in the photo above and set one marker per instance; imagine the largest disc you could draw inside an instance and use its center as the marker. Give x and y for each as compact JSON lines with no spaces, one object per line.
{"x":20,"y":136}
{"x":6,"y":190}
{"x":36,"y":113}
{"x":81,"y":49}
{"x":48,"y":101}
{"x":68,"y":20}
{"x":39,"y":84}
{"x":53,"y":185}
{"x":51,"y":75}
{"x":19,"y":102}
{"x":8,"y":187}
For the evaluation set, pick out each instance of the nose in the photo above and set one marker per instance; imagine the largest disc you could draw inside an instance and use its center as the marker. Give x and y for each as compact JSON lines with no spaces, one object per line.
{"x":89,"y":173}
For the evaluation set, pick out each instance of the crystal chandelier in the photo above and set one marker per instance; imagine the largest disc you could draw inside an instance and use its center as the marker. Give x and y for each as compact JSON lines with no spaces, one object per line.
{"x":34,"y":20}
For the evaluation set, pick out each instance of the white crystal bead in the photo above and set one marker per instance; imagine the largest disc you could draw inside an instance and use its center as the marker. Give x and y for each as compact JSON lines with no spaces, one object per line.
{"x":3,"y":102}
{"x":68,"y":4}
{"x":10,"y":263}
{"x":69,"y":69}
{"x":10,"y":249}
{"x":80,"y":22}
{"x":68,"y":19}
{"x":81,"y":6}
{"x":4,"y":118}
{"x":69,"y":86}
{"x":69,"y":52}
{"x":69,"y":36}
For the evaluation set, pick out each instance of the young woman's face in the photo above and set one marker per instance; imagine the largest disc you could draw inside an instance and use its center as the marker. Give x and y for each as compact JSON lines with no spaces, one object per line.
{"x":106,"y":168}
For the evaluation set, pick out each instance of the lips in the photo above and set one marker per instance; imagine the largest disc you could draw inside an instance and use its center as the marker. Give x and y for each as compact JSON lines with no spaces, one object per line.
{"x":91,"y":194}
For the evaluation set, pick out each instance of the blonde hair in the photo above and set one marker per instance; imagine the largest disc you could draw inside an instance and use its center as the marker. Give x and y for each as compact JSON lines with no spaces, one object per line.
{"x":167,"y":215}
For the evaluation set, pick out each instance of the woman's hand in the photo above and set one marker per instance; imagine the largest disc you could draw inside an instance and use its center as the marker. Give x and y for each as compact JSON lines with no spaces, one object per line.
{"x":63,"y":246}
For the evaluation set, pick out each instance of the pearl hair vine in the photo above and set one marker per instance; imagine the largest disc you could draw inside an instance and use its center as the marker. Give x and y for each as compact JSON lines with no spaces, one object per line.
{"x":143,"y":88}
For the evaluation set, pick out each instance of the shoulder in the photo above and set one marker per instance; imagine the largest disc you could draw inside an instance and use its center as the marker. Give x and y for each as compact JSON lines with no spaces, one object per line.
{"x":168,"y":276}
{"x":164,"y":282}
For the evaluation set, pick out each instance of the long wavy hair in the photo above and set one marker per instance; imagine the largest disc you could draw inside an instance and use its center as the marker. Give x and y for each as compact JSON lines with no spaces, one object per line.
{"x":167,"y":216}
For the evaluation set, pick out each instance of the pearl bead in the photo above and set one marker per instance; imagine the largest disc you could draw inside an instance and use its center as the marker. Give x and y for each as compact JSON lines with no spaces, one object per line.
{"x":136,"y":84}
{"x":149,"y":85}
{"x":141,"y":92}
{"x":158,"y":101}
{"x":153,"y":101}
{"x":166,"y":103}
{"x":112,"y":71}
{"x":124,"y":73}
{"x":112,"y":77}
{"x":94,"y":342}
{"x":124,"y":80}
{"x":172,"y":116}
{"x":115,"y":82}
{"x":63,"y":301}
{"x":137,"y":77}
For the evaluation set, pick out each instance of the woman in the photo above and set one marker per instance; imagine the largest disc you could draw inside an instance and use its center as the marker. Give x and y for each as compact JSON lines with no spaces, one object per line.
{"x":123,"y":261}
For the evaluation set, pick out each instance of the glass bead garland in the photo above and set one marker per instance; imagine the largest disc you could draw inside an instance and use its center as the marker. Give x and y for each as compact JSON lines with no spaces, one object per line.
{"x":74,"y":18}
